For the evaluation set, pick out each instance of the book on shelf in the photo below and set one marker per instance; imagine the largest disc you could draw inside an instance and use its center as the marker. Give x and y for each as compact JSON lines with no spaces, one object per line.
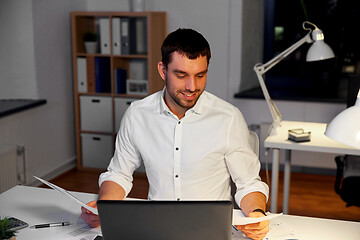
{"x":102,"y":75}
{"x":120,"y":76}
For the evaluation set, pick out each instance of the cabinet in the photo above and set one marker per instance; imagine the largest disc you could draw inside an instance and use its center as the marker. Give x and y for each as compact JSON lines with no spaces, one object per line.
{"x":121,"y":68}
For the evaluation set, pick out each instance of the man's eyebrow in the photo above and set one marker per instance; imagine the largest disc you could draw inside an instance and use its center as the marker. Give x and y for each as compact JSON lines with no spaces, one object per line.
{"x":202,"y":72}
{"x":179,"y":71}
{"x":182,"y":72}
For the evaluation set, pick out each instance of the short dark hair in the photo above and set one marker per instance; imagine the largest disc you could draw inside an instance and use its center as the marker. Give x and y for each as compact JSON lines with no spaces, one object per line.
{"x":187,"y":42}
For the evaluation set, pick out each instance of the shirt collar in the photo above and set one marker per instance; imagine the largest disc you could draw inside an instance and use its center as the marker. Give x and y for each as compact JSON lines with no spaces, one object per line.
{"x":198,"y":108}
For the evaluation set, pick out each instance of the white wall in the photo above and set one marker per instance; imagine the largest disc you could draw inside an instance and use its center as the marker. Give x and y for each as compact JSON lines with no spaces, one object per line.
{"x":36,"y":63}
{"x":17,"y":55}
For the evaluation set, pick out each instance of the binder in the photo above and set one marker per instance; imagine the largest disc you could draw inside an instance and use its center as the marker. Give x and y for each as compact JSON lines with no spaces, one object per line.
{"x":90,"y":72}
{"x":141,"y":39}
{"x":137,"y":35}
{"x":104,"y":35}
{"x":116,"y":37}
{"x":120,"y":76}
{"x":81,"y":74}
{"x":125,"y":48}
{"x":102,"y":75}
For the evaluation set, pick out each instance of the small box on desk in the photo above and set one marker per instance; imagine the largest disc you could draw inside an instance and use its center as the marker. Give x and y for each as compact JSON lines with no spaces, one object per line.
{"x":299,"y":135}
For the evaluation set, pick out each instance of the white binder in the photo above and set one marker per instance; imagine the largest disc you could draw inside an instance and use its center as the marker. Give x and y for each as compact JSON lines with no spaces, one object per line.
{"x":141,"y":39}
{"x":116,"y":37}
{"x":81,"y":74}
{"x":104,"y":35}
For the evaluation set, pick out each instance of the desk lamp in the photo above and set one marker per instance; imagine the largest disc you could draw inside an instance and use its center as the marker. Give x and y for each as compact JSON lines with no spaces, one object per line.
{"x":319,"y":50}
{"x":345,"y":127}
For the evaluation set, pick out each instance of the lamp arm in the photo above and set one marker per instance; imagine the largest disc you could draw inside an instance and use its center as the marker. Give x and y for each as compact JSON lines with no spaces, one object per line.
{"x":275,"y":113}
{"x":261,"y":69}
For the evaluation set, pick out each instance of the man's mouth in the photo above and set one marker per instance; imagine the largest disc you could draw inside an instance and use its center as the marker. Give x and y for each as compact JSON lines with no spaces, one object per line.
{"x":189,"y":95}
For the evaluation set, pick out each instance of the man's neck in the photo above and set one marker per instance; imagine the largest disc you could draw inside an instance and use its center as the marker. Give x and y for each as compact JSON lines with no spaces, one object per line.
{"x":172,"y":105}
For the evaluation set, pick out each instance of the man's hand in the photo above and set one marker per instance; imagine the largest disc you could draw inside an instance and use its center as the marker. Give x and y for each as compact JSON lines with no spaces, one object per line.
{"x":108,"y":191}
{"x":91,"y":219}
{"x":256,"y":231}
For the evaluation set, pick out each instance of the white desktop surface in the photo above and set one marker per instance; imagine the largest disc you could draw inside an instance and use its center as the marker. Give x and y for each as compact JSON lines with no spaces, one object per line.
{"x":319,"y":142}
{"x":278,"y":140}
{"x":40,"y":205}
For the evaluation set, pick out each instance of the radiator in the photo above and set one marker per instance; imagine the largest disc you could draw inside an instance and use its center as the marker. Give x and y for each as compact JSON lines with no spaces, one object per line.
{"x":8,"y":170}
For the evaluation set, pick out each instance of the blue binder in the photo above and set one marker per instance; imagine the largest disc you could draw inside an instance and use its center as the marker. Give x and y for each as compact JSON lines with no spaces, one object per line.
{"x":102,"y":75}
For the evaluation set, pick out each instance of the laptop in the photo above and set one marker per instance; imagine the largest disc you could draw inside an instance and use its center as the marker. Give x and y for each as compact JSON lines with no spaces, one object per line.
{"x":165,"y":220}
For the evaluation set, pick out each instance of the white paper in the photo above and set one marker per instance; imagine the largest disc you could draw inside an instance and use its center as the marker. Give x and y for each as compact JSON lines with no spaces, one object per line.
{"x":63,"y":191}
{"x":240,"y":219}
{"x":278,"y":231}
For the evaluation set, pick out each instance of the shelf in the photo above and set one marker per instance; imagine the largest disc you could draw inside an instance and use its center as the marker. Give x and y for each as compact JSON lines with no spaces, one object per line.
{"x":107,"y":81}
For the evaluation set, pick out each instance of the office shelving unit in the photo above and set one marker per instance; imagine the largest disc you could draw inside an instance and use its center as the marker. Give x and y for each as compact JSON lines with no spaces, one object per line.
{"x":123,"y":69}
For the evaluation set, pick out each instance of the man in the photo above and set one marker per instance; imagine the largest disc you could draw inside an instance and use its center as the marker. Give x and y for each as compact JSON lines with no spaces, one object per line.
{"x":191,"y":143}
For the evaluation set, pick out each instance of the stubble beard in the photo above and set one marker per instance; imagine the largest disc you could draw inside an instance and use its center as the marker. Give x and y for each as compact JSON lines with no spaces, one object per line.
{"x":176,"y":96}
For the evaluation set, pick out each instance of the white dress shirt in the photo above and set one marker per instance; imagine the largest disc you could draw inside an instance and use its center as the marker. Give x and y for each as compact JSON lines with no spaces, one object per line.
{"x":189,"y":159}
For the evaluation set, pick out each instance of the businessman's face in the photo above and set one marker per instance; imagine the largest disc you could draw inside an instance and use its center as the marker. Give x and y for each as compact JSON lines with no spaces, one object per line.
{"x":185,"y":81}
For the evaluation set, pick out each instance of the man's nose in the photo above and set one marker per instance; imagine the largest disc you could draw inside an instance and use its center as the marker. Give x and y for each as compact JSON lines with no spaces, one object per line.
{"x":190,"y":84}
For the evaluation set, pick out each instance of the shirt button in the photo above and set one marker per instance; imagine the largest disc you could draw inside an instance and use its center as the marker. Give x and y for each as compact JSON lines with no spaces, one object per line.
{"x":179,"y":122}
{"x":178,"y":199}
{"x":176,"y":148}
{"x":176,"y":176}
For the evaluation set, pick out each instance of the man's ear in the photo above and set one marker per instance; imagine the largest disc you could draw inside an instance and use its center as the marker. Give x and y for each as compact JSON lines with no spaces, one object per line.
{"x":162,"y":70}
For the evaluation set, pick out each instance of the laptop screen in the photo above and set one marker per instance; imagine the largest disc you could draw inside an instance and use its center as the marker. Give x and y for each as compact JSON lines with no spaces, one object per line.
{"x":165,"y":220}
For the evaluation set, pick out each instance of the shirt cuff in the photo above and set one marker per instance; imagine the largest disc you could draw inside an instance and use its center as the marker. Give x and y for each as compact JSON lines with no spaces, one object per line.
{"x":109,"y":176}
{"x":257,"y":187}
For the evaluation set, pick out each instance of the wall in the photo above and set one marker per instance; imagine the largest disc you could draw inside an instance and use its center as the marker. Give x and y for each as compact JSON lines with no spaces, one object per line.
{"x":36,"y":63}
{"x":17,"y":56}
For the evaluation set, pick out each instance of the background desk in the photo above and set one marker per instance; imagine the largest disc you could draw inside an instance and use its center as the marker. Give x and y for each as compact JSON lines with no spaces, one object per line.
{"x":40,"y":205}
{"x":319,"y":143}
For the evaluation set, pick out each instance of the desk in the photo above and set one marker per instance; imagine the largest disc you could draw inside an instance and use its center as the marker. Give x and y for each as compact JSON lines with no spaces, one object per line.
{"x":319,"y":143}
{"x":41,"y":205}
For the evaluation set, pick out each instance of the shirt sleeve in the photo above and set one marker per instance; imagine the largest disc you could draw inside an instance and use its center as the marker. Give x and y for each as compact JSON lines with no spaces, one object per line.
{"x":242,"y":162}
{"x":126,"y":158}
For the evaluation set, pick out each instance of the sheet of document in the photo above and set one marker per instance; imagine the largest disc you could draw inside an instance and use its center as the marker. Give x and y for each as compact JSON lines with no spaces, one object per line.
{"x":83,"y":233}
{"x":239,"y":218}
{"x":63,"y":191}
{"x":279,"y":230}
